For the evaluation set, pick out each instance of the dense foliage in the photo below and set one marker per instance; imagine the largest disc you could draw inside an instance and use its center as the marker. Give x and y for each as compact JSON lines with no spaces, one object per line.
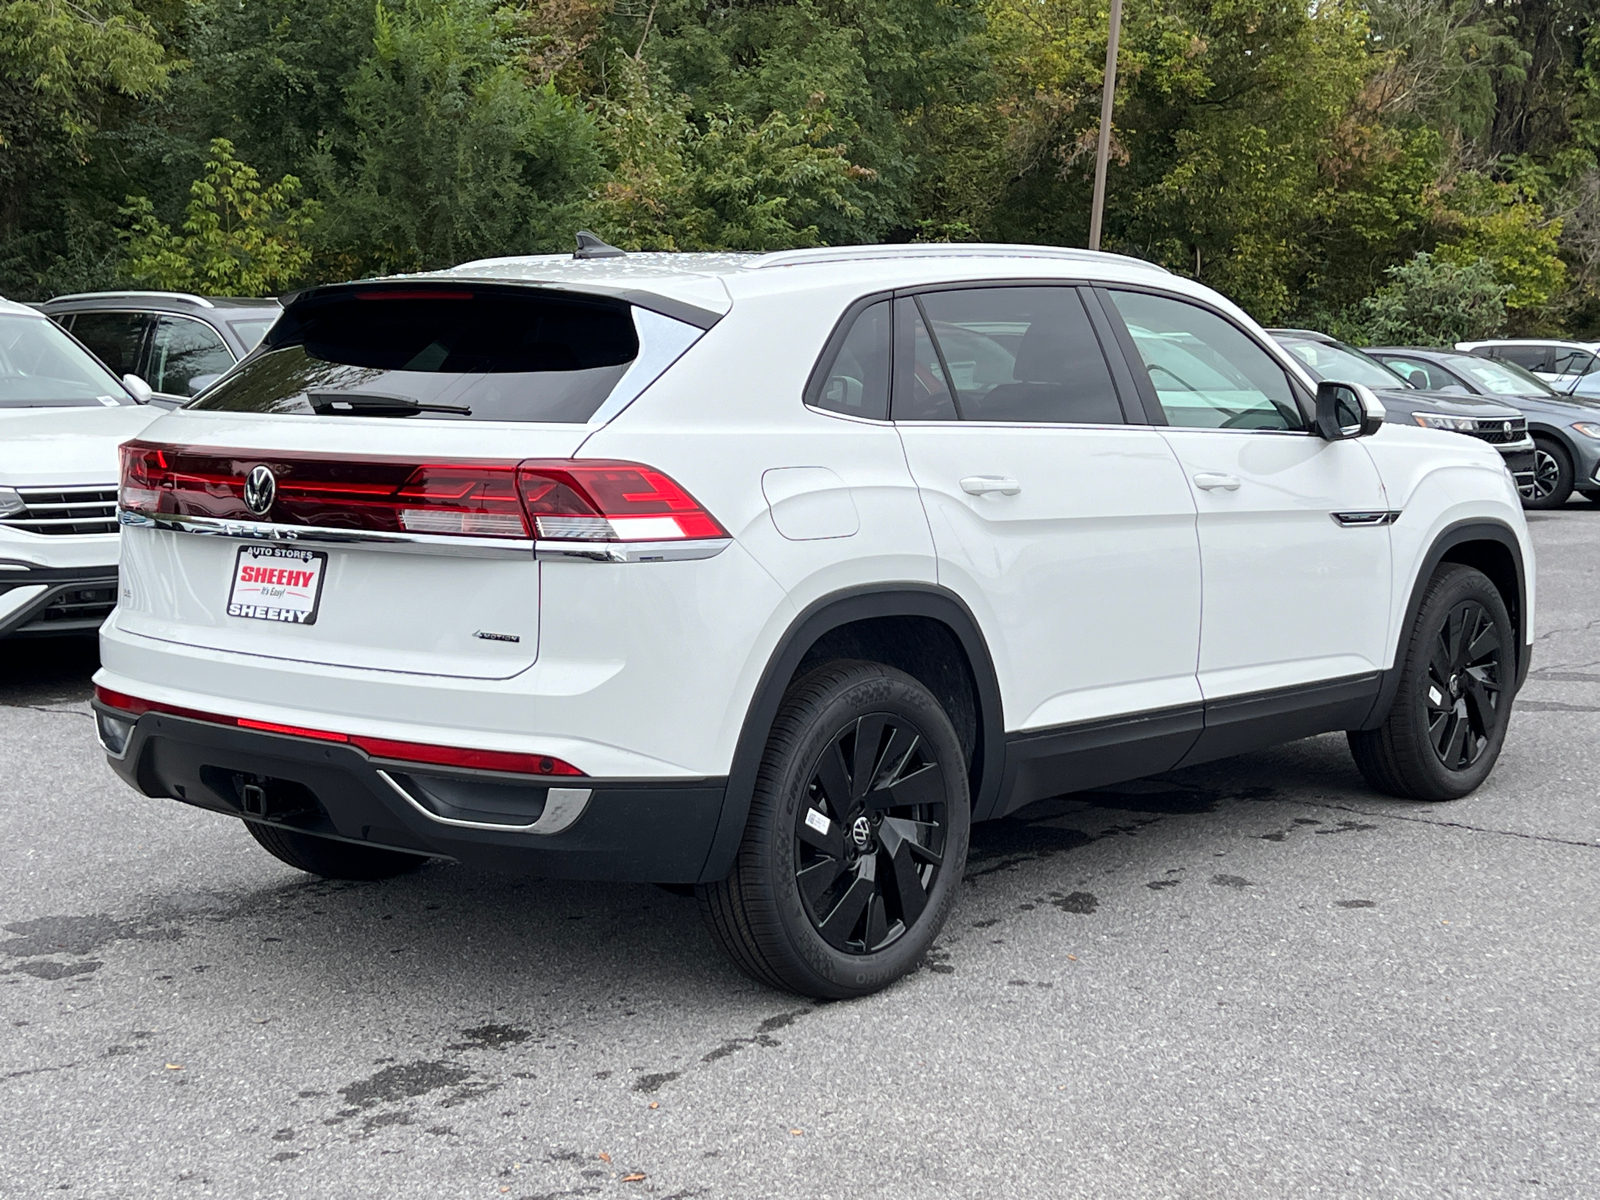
{"x":1327,"y":162}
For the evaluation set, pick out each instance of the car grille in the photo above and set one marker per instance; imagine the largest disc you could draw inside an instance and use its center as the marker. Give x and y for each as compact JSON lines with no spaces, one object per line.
{"x":1500,"y":431}
{"x":75,"y":510}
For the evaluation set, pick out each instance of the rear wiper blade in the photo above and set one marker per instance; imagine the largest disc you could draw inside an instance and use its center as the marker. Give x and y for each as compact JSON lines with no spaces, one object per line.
{"x":375,"y":404}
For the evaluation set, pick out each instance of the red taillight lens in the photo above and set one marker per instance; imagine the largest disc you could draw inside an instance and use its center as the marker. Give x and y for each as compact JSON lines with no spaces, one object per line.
{"x":387,"y":748}
{"x":462,"y":501}
{"x":610,"y":502}
{"x":586,"y":500}
{"x":144,"y":473}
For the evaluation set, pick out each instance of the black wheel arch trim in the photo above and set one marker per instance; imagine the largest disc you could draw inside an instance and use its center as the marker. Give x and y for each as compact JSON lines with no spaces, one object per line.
{"x":816,"y":620}
{"x":1452,"y":536}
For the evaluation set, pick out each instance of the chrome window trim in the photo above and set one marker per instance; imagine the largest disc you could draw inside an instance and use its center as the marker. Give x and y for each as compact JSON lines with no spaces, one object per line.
{"x":431,"y":543}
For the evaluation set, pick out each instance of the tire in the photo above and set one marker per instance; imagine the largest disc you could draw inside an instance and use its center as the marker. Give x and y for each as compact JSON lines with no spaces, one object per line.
{"x":329,"y":858}
{"x":1553,"y":476}
{"x":851,"y":857}
{"x":1463,"y":651}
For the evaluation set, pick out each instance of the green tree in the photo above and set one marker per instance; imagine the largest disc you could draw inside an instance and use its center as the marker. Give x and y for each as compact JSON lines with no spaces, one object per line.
{"x":457,"y":153}
{"x":1434,"y":302}
{"x":237,"y":239}
{"x":66,"y":70}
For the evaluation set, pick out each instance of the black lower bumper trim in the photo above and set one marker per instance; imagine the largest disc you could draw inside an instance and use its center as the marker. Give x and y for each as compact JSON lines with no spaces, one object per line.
{"x":653,"y":831}
{"x":74,"y":600}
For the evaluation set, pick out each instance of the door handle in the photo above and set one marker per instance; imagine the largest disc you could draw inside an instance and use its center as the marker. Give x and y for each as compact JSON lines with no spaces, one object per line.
{"x":1215,"y":479}
{"x":979,"y":485}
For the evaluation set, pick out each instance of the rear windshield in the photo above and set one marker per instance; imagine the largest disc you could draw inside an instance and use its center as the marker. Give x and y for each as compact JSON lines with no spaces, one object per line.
{"x":467,"y":355}
{"x":41,"y":367}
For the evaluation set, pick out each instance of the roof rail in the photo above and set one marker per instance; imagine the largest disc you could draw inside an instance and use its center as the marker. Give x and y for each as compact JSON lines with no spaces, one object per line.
{"x":200,"y":300}
{"x":828,"y":254}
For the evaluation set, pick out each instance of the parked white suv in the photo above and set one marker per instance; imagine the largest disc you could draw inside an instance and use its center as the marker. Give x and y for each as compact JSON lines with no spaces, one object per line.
{"x":770,"y":574}
{"x":62,"y":415}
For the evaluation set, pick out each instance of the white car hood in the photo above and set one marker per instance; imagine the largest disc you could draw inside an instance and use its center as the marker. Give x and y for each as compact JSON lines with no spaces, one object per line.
{"x":41,"y":447}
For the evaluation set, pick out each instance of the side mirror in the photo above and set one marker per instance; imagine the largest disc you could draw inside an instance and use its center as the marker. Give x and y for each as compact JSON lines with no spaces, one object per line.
{"x":1347,"y":410}
{"x":138,"y":388}
{"x":200,"y":383}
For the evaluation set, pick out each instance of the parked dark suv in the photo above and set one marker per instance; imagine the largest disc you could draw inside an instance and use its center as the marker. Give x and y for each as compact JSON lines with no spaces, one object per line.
{"x":1488,"y":420}
{"x":177,"y":343}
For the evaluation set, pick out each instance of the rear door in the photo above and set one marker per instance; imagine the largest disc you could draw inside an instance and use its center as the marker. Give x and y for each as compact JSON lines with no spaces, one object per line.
{"x":1067,"y":528}
{"x":1294,"y":596}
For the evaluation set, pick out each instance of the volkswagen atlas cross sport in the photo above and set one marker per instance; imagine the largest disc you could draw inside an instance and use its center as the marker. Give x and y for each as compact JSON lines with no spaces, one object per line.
{"x":771,"y":574}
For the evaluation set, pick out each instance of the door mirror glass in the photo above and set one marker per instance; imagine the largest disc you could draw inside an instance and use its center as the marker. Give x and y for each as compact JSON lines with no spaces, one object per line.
{"x":137,"y":388}
{"x":1347,"y":410}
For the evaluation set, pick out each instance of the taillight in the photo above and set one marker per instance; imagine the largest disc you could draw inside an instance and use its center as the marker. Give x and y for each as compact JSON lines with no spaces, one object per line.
{"x":462,"y":501}
{"x":144,"y":468}
{"x":590,"y":500}
{"x":610,"y":502}
{"x":384,"y":748}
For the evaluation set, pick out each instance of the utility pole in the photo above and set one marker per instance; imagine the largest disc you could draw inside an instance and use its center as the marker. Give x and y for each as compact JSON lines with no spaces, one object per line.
{"x":1107,"y":95}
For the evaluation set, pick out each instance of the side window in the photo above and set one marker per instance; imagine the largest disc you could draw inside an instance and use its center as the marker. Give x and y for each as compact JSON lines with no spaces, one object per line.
{"x":856,"y":383}
{"x":1574,"y":362}
{"x":1021,"y":354}
{"x":181,"y":351}
{"x":1422,"y":375}
{"x":113,"y":337}
{"x":921,"y":392}
{"x":1207,"y":374}
{"x":1529,"y":358}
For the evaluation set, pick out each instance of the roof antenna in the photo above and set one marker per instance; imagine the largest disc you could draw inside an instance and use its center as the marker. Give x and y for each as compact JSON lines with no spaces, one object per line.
{"x":590,"y":246}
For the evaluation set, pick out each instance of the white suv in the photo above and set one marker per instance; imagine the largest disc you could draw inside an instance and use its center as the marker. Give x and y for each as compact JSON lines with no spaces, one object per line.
{"x":771,"y":574}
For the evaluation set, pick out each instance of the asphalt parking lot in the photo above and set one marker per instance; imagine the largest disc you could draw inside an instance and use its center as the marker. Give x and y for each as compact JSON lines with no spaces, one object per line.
{"x":1252,"y":979}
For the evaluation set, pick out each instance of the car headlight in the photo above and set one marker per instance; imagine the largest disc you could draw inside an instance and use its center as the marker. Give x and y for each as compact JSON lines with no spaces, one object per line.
{"x":1441,"y":421}
{"x":10,"y":502}
{"x":1587,"y":428}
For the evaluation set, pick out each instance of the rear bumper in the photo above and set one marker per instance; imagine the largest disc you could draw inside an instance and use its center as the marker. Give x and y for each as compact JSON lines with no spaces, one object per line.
{"x":559,"y":827}
{"x":37,"y":600}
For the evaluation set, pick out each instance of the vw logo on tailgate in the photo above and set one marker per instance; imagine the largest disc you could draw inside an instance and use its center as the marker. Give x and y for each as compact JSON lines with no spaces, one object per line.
{"x":260,"y":488}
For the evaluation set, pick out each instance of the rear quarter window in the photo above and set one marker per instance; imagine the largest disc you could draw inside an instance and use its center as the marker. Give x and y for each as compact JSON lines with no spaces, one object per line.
{"x":507,"y":355}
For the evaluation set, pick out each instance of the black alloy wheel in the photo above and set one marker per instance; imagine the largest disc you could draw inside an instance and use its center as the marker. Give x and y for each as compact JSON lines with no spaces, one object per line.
{"x":869,"y":842}
{"x":1462,"y":688}
{"x":1457,"y":668}
{"x":1551,"y":482}
{"x":856,"y":840}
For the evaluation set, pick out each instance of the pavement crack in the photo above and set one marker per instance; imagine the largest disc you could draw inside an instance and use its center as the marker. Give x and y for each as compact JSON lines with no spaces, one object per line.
{"x":38,"y":1071}
{"x":1511,"y":833}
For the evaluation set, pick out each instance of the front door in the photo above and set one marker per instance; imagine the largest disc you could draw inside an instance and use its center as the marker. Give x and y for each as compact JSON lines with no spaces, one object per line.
{"x":1067,"y":529}
{"x":1294,"y":538}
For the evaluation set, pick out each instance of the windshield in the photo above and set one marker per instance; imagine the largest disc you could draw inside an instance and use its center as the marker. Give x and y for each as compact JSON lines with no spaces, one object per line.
{"x":1499,"y":378}
{"x":453,"y":354}
{"x":1341,"y":363}
{"x":41,"y":367}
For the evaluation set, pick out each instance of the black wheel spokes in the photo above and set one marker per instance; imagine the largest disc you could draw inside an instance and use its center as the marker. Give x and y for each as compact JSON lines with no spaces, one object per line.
{"x":1462,"y":689}
{"x":870,"y":842}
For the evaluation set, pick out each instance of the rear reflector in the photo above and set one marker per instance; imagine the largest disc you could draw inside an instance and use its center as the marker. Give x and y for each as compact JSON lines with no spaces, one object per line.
{"x":579,"y":499}
{"x":380,"y":748}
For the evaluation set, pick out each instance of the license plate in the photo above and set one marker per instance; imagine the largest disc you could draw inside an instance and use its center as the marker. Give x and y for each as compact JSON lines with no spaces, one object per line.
{"x":273,"y":583}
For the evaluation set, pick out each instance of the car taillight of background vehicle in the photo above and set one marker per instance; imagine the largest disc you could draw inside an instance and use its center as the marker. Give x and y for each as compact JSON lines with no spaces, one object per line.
{"x":591,"y":500}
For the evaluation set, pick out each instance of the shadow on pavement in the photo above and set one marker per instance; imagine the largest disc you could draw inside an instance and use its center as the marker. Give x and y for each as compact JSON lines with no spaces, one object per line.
{"x":48,"y":670}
